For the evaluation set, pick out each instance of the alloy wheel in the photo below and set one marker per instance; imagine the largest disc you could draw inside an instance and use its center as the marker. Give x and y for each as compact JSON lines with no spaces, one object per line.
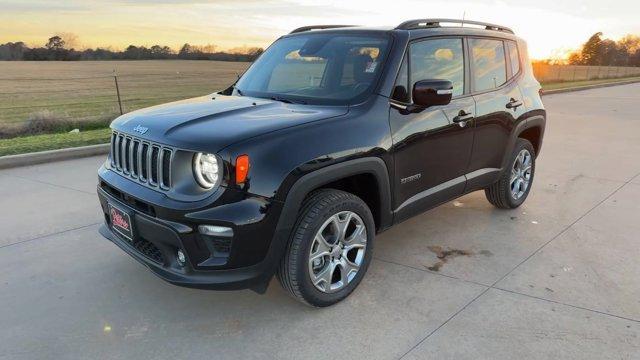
{"x":337,"y":251}
{"x":521,"y":174}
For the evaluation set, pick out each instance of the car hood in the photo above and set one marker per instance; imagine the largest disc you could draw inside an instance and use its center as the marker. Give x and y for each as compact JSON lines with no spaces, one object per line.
{"x":213,"y":122}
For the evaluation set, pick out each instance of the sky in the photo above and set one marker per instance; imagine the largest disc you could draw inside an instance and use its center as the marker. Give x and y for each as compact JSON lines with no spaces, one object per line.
{"x":551,"y":27}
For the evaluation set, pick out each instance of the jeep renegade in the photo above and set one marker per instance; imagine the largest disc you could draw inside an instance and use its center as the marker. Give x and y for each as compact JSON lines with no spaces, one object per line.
{"x":334,"y":134}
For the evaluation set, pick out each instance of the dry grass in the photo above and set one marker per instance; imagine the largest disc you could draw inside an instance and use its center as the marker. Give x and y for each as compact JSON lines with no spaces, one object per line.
{"x":56,"y":97}
{"x":84,"y":91}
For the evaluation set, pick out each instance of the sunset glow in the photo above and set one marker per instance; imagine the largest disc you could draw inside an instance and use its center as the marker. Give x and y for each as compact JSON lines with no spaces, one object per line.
{"x":551,"y":27}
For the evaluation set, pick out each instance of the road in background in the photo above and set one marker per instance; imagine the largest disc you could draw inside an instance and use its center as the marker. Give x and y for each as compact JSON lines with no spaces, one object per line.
{"x":556,"y":278}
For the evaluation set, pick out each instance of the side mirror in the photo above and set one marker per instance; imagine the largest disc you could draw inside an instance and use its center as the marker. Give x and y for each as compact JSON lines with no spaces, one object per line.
{"x":432,"y":92}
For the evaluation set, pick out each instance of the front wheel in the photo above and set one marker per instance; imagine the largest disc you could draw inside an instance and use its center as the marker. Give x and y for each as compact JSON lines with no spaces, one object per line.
{"x":330,"y":249}
{"x":513,"y":187}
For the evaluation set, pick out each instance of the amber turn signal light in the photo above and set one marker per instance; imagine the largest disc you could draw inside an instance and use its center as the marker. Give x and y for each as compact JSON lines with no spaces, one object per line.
{"x":242,"y":168}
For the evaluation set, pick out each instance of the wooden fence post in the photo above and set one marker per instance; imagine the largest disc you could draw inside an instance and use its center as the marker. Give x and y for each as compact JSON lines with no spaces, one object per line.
{"x":115,"y":78}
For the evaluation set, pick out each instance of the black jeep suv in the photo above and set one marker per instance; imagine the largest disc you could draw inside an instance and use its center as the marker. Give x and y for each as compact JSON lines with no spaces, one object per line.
{"x":334,"y":134}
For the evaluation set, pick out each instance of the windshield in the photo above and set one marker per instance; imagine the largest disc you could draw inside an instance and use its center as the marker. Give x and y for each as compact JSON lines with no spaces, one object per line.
{"x":323,"y":69}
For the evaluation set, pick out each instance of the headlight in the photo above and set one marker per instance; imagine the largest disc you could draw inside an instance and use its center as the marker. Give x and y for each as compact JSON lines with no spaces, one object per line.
{"x":206,"y":170}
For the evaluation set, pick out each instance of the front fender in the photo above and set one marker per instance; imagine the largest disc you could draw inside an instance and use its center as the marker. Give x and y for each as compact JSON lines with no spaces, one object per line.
{"x":307,"y":183}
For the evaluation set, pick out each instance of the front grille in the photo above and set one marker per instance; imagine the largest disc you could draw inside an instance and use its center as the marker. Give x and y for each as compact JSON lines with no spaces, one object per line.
{"x":222,"y":246}
{"x":143,"y":161}
{"x":149,"y":250}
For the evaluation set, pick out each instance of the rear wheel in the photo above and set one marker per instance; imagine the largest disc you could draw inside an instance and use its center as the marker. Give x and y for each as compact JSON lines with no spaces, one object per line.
{"x":513,"y":187}
{"x":330,"y":249}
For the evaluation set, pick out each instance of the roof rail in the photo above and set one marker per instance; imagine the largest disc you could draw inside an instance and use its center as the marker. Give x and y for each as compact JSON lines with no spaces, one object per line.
{"x":318,"y":27}
{"x":427,"y":23}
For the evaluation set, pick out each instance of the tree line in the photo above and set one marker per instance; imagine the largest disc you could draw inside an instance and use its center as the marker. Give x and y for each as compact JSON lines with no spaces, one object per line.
{"x":56,"y":49}
{"x":607,"y":52}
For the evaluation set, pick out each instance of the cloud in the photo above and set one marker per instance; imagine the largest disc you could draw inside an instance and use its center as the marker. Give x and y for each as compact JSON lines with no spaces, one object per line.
{"x":546,"y":24}
{"x":18,"y":6}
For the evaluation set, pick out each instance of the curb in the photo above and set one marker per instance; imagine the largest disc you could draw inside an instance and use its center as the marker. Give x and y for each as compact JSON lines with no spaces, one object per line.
{"x":11,"y":161}
{"x":587,"y":87}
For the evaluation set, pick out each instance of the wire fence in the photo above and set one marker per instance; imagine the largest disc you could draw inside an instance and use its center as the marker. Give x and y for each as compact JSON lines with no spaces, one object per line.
{"x":102,"y":90}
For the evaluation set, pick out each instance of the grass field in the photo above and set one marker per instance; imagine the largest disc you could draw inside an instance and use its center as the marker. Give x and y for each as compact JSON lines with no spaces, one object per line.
{"x":21,"y":145}
{"x":85,"y":91}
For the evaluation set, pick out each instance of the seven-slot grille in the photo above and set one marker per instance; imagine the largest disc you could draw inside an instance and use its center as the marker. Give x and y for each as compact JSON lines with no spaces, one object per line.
{"x":147,"y":162}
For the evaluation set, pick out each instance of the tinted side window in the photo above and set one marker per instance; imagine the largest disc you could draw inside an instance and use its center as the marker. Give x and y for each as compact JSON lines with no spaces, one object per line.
{"x":438,"y":59}
{"x":489,"y":64}
{"x":514,"y":56}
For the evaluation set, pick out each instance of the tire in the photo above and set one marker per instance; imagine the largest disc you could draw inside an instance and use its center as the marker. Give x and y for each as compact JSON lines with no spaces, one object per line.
{"x":504,"y":193}
{"x":327,"y":211}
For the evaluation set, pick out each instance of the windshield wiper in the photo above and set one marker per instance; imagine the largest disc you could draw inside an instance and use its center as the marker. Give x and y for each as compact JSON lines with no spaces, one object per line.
{"x":238,"y":90}
{"x":287,"y":101}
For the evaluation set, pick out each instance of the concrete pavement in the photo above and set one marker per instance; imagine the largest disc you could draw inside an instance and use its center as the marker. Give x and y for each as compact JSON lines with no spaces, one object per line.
{"x":556,"y":278}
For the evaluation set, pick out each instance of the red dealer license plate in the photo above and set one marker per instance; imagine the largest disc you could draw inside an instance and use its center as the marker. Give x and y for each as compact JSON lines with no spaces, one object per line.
{"x":121,"y":222}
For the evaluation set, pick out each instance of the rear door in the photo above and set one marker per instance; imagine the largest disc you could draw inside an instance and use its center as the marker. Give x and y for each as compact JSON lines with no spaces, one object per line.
{"x":495,"y":68}
{"x":431,"y":150}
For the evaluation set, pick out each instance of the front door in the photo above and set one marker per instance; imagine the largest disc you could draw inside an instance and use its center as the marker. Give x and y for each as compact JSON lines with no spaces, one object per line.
{"x":431,"y":147}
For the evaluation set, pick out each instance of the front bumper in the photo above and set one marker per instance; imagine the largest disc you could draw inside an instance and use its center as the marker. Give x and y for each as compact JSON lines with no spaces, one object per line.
{"x":250,"y":257}
{"x":252,"y":277}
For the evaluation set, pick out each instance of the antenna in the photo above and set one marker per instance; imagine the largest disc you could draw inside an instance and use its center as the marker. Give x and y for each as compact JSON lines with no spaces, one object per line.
{"x":463,"y":14}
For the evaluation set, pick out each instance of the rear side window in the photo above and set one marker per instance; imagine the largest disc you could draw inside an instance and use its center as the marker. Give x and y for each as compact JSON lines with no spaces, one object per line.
{"x":514,"y":56}
{"x":438,"y":59}
{"x":489,"y":63}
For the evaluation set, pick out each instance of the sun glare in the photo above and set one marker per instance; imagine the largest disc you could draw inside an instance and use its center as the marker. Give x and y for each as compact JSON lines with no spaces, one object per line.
{"x":551,"y":28}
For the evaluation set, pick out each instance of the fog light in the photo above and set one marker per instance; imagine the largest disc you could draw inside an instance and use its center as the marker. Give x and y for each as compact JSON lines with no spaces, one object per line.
{"x":181,"y":259}
{"x":214,"y":230}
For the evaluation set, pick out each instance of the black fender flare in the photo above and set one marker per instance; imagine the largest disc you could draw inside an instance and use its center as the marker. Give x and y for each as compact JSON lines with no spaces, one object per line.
{"x":530,"y":122}
{"x":307,"y":183}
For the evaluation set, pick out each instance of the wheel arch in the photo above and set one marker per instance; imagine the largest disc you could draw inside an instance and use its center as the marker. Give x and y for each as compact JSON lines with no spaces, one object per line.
{"x":315,"y":180}
{"x":346,"y":176}
{"x":533,"y":132}
{"x":532,"y":127}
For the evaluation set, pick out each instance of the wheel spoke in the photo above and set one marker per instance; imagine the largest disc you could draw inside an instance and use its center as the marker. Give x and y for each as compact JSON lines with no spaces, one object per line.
{"x":346,"y":269}
{"x":514,"y":177}
{"x":342,"y":224}
{"x":357,"y":240}
{"x":323,"y":245}
{"x":323,"y":278}
{"x":317,"y":255}
{"x":516,"y":188}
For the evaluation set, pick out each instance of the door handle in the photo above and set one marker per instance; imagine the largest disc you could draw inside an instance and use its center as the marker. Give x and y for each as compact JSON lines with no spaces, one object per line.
{"x":462,"y":118}
{"x":513,"y":104}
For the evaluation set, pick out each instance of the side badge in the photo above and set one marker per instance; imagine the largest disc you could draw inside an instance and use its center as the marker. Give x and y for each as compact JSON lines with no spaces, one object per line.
{"x":410,"y":178}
